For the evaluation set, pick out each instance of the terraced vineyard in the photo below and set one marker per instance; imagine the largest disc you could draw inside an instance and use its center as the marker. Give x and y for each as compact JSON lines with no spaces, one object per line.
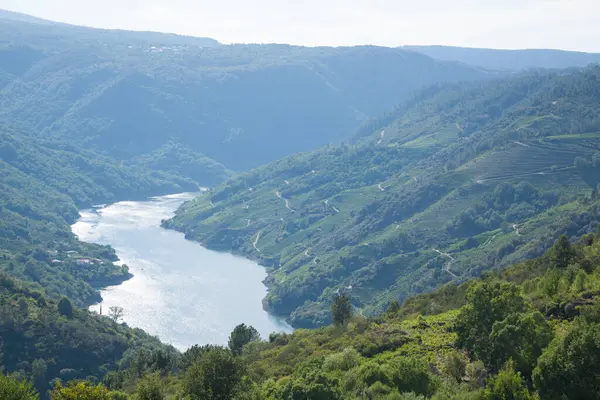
{"x":459,"y":180}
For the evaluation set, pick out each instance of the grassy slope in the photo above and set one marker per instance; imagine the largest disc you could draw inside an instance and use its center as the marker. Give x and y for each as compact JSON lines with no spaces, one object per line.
{"x":361,"y":359}
{"x":371,"y":215}
{"x":419,"y":329}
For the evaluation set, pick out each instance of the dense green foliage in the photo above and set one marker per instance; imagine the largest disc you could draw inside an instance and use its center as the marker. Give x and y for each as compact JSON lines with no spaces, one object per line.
{"x":41,"y":185}
{"x":45,"y":340}
{"x":534,"y":345}
{"x":455,"y":181}
{"x":12,"y":388}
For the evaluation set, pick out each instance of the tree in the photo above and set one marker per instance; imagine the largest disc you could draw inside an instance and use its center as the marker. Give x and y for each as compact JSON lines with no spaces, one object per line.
{"x":570,"y":367}
{"x":241,"y":336}
{"x":115,"y":313}
{"x":194,"y":354}
{"x":12,"y":388}
{"x":217,"y":376}
{"x":65,"y":307}
{"x":455,"y":365}
{"x":596,"y":193}
{"x":150,"y":388}
{"x":508,"y":384}
{"x":410,"y":375}
{"x":80,"y":390}
{"x":579,"y":282}
{"x":522,"y":338}
{"x":341,"y":310}
{"x":487,"y":303}
{"x":161,"y":361}
{"x":393,"y":308}
{"x":312,"y":385}
{"x":39,"y":369}
{"x":562,"y":253}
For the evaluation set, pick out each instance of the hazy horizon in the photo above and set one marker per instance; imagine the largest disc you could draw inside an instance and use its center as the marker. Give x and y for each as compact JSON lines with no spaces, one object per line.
{"x":511,"y":24}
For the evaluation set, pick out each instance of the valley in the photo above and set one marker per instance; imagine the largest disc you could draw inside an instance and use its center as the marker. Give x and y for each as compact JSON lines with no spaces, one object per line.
{"x":186,"y":219}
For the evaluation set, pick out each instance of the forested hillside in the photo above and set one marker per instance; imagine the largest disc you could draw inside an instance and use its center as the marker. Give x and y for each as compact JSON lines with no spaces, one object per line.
{"x":457,"y":180}
{"x":42,"y":183}
{"x":45,"y":339}
{"x":509,"y":59}
{"x":528,"y":332}
{"x":131,"y":94}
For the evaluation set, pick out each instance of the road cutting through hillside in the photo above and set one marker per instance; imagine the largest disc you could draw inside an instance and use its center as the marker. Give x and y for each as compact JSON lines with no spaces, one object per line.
{"x":447,"y":266}
{"x":287,"y":202}
{"x":256,"y":242}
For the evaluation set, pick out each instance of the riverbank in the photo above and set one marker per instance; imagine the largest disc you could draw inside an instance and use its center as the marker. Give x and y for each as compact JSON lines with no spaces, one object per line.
{"x":180,"y":291}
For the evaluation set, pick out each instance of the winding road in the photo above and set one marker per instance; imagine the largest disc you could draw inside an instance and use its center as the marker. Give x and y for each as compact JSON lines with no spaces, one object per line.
{"x":287,"y":202}
{"x":256,"y":242}
{"x":447,"y":266}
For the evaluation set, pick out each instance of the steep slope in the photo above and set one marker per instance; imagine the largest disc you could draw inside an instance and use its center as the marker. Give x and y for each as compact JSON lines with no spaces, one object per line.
{"x":41,"y":185}
{"x":509,"y":59}
{"x":531,"y":331}
{"x":129,"y":94}
{"x":44,"y":341}
{"x":457,"y":180}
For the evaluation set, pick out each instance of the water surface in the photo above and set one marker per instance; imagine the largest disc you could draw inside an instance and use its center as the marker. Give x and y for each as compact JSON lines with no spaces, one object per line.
{"x":180,"y":291}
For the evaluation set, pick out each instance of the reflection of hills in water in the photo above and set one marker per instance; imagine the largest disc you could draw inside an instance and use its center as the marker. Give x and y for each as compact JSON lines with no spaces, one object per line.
{"x":180,"y":291}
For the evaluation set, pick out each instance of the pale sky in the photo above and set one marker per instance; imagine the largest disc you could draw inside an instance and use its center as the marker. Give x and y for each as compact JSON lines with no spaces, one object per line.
{"x":513,"y":24}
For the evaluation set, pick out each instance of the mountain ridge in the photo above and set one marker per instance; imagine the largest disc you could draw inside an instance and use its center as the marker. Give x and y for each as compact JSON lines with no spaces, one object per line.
{"x":509,"y":59}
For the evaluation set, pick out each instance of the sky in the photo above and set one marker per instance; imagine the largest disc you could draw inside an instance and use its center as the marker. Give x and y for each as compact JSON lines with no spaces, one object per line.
{"x":505,"y":24}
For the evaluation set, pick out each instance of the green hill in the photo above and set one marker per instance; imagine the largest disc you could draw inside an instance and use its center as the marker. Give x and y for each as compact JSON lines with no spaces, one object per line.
{"x":43,"y":340}
{"x":129,"y":94}
{"x":457,"y":180}
{"x":42,"y":184}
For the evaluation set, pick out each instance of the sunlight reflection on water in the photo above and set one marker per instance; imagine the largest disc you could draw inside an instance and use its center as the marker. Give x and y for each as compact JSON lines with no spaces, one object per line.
{"x":180,"y":292}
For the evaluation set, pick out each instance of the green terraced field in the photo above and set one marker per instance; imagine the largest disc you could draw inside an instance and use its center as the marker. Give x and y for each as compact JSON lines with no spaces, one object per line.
{"x":451,"y":187}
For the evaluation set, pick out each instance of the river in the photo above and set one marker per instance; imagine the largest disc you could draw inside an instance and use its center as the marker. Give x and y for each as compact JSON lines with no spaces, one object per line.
{"x":180,"y":291}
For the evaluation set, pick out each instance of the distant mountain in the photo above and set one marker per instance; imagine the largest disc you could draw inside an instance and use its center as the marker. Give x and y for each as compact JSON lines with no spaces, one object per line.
{"x":459,"y":179}
{"x":509,"y":59}
{"x":106,"y":34}
{"x":129,"y":94}
{"x":15,"y":16}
